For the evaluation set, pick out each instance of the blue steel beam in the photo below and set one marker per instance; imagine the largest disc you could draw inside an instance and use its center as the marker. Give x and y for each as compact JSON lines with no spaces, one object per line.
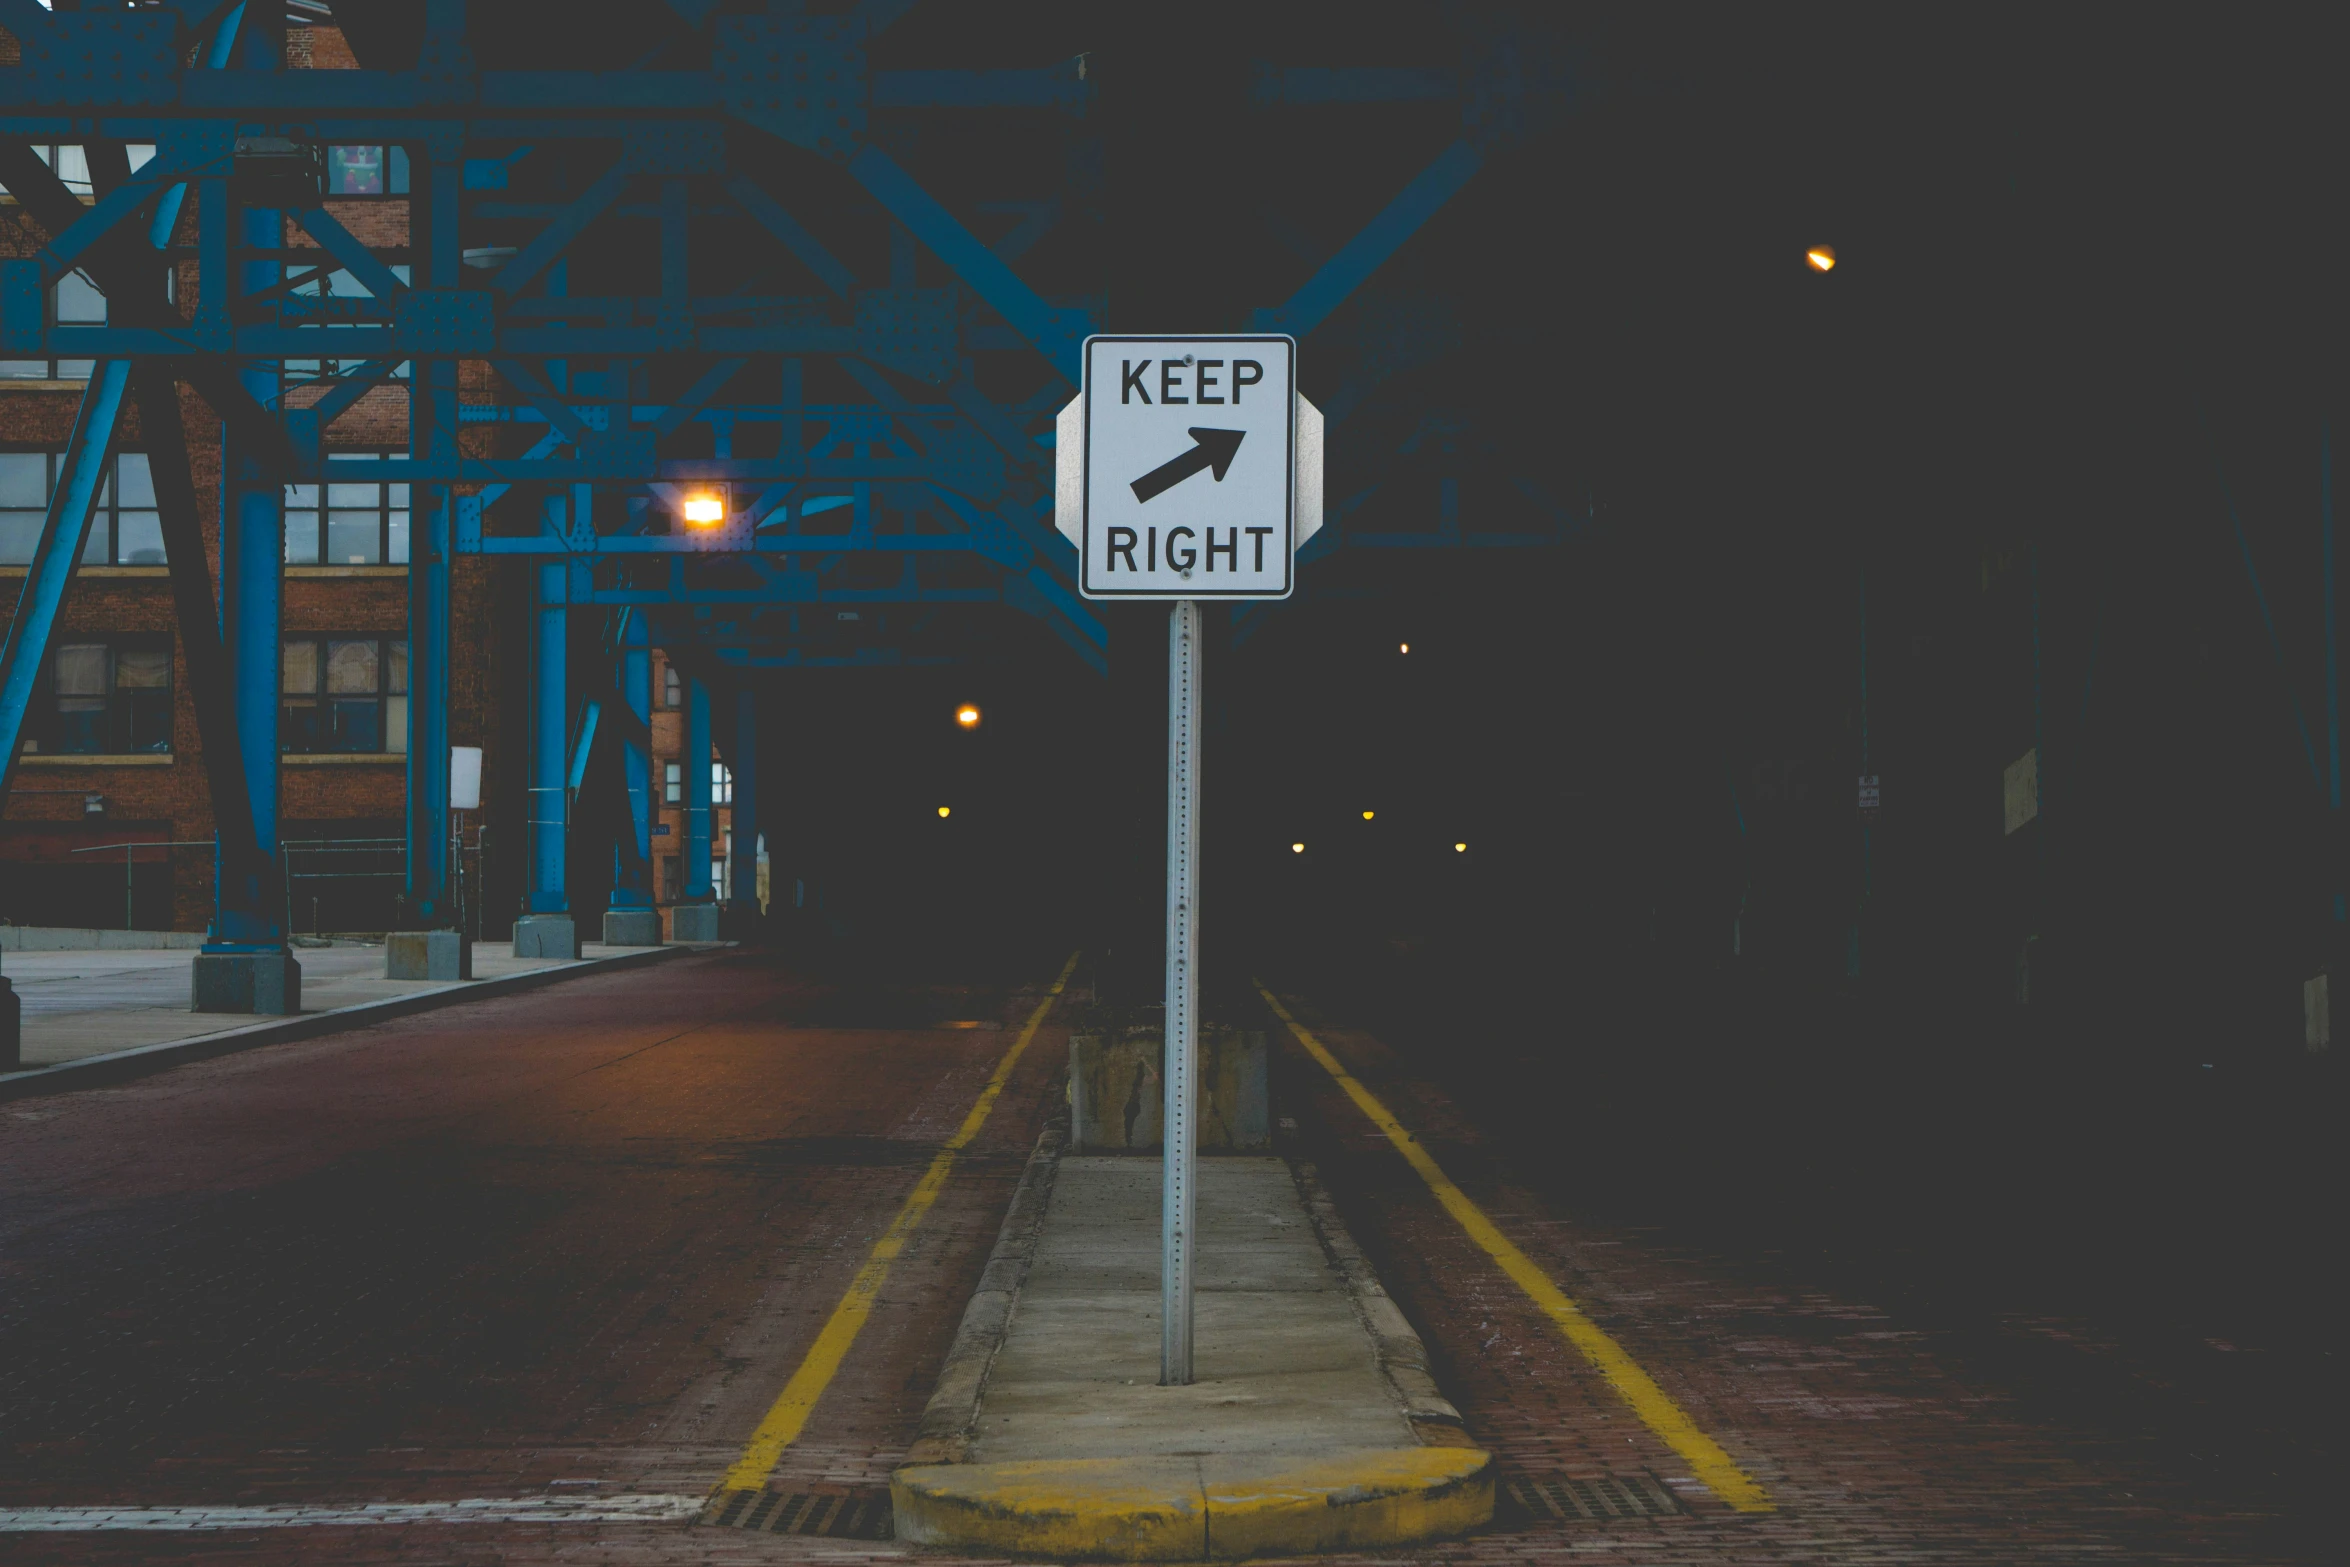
{"x":64,"y":532}
{"x":1379,"y":239}
{"x":550,"y":732}
{"x":631,"y":877}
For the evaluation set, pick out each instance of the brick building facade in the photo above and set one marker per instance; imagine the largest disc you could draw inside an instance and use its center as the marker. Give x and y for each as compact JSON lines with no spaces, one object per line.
{"x":111,"y":755}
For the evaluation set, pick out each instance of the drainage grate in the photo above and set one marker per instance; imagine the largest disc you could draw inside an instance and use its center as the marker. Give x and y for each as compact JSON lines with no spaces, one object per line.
{"x":1597,"y":1498}
{"x":841,"y":1515}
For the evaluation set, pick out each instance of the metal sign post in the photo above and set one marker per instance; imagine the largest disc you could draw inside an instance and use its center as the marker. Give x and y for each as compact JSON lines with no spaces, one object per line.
{"x":1188,"y":468}
{"x":1182,"y":1029}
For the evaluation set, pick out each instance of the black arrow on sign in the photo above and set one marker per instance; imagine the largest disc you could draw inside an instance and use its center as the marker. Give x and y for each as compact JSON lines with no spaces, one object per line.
{"x":1214,"y":450}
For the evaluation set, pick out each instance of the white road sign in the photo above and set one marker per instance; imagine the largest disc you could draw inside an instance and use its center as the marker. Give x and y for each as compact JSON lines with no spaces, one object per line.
{"x":1188,"y":468}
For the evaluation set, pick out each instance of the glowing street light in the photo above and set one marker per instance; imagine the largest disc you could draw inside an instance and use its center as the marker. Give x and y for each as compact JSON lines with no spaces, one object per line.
{"x":1460,"y":848}
{"x":967,"y":716}
{"x":1367,"y":815}
{"x":1297,"y":848}
{"x":705,"y":510}
{"x":1821,"y":258}
{"x":943,"y":810}
{"x":1403,"y":647}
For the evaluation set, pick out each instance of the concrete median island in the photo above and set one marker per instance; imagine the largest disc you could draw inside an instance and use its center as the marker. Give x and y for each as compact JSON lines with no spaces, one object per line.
{"x":1313,"y":1425}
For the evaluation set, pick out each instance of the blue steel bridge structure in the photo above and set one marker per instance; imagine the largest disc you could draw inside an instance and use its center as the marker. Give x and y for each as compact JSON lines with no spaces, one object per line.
{"x":717,"y":256}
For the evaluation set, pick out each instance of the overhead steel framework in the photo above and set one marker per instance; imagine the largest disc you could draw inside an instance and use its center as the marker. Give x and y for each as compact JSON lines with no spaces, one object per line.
{"x":655,"y":320}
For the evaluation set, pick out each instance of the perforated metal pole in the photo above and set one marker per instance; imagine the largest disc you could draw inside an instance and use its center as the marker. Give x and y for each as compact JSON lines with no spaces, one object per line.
{"x":1175,"y":1233}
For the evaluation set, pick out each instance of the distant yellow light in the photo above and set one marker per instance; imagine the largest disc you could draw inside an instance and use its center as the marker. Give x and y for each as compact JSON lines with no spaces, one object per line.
{"x":1460,"y":848}
{"x":942,"y":810}
{"x":1403,"y":647}
{"x":1367,"y":815}
{"x":1822,"y":258}
{"x":705,"y":510}
{"x":967,"y":716}
{"x":1297,"y":848}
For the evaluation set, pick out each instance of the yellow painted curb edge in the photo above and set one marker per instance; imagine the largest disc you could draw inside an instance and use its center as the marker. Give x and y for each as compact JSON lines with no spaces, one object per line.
{"x":1187,"y":1509}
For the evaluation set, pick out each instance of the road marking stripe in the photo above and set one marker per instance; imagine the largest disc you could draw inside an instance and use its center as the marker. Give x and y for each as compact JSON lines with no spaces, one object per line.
{"x":526,"y":1509}
{"x":789,"y":1415}
{"x":1655,"y":1408}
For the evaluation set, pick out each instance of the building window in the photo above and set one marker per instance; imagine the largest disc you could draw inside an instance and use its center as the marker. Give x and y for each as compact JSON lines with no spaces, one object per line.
{"x":347,"y":523}
{"x":72,"y":163}
{"x":672,"y":688}
{"x":75,"y":301}
{"x":107,"y":699}
{"x":313,"y":282}
{"x":344,"y":694}
{"x":672,"y":782}
{"x":125,"y":529}
{"x":721,"y":784}
{"x":672,"y":878}
{"x":367,"y":171}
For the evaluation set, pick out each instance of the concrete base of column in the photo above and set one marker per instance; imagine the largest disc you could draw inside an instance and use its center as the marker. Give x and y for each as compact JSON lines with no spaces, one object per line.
{"x":694,"y":922}
{"x":11,"y":1028}
{"x":428,"y":954}
{"x":547,"y":936}
{"x":265,"y":982}
{"x":632,"y":927}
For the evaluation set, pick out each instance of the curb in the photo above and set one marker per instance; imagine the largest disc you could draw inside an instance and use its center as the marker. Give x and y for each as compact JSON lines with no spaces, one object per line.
{"x":141,"y":1060}
{"x":1178,"y":1509}
{"x":1403,"y":1358}
{"x":944,"y":1435}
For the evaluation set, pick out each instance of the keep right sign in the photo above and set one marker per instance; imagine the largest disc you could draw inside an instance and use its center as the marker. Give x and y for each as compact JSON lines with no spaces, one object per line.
{"x":1188,"y":468}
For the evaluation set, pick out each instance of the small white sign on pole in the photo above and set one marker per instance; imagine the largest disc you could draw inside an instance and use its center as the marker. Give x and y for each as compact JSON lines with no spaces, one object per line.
{"x":465,"y":778}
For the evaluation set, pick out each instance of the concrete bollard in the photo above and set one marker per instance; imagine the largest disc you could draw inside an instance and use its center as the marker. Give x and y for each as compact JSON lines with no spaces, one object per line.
{"x":267,"y":982}
{"x":547,"y":936}
{"x":1117,"y":1095}
{"x":632,"y":927}
{"x":428,"y":954}
{"x":694,"y":922}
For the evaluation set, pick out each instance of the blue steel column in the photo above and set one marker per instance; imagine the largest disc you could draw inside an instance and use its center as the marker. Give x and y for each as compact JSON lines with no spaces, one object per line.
{"x":744,"y":860}
{"x":249,"y":910}
{"x":431,"y":558}
{"x":631,"y":874}
{"x":63,"y":534}
{"x":549,"y":735}
{"x":697,"y":793}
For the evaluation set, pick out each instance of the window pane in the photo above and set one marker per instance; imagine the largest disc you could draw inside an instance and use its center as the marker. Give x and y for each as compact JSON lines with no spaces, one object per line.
{"x":368,"y":495}
{"x":81,"y":669}
{"x":100,"y":550}
{"x":396,"y":724}
{"x":355,"y":171}
{"x":396,"y":673}
{"x":81,"y":724}
{"x":150,"y":720}
{"x":302,"y":538}
{"x":350,"y":666}
{"x":396,"y":542}
{"x":300,"y":673}
{"x":20,"y":534}
{"x":139,"y":541}
{"x":75,"y":369}
{"x":143,"y":669}
{"x":78,"y":301}
{"x":297,"y":726}
{"x":358,"y":726}
{"x":138,"y":480}
{"x":24,"y":479}
{"x":353,"y":538}
{"x":398,"y":495}
{"x":141,"y":154}
{"x":73,"y":167}
{"x":24,"y":369}
{"x":302,"y":495}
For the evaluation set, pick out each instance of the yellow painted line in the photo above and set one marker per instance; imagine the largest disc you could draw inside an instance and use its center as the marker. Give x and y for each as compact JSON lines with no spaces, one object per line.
{"x":789,"y":1414}
{"x":1651,"y":1403}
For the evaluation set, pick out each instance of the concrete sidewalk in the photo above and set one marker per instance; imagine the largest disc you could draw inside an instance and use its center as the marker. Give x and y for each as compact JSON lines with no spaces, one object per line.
{"x":1299,"y":1434}
{"x":120,"y":1012}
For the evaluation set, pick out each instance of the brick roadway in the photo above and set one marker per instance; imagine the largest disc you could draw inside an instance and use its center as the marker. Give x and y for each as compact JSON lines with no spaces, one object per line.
{"x":583,"y":1234}
{"x":589,"y":1241}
